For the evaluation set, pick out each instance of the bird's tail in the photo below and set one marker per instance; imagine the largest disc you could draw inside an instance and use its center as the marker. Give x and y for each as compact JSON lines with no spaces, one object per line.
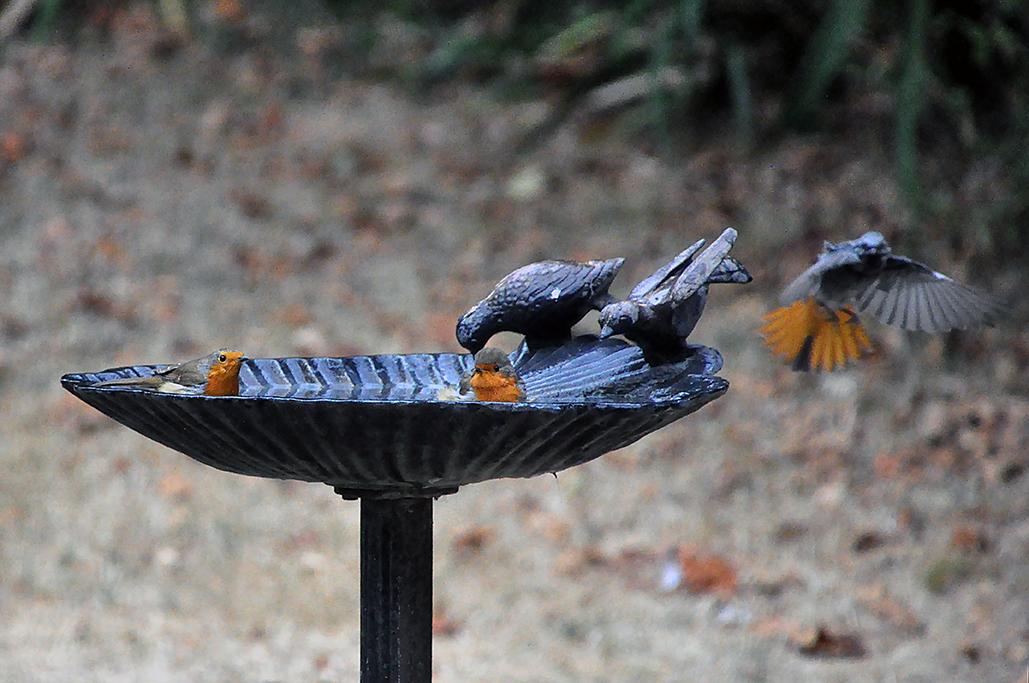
{"x":812,"y":338}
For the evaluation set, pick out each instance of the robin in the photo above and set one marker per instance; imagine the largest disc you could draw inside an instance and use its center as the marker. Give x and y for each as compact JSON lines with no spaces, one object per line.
{"x":541,"y":301}
{"x":662,"y":310}
{"x":818,"y":328}
{"x":493,"y":378}
{"x":216,"y":374}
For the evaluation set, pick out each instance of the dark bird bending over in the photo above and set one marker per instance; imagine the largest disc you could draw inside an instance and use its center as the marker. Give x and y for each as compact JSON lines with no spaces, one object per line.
{"x":662,"y":310}
{"x":817,"y":326}
{"x":541,"y":301}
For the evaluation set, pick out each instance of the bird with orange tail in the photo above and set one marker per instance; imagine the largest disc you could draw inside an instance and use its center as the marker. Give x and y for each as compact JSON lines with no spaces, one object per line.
{"x":817,"y":327}
{"x":493,"y":378}
{"x":216,"y":374}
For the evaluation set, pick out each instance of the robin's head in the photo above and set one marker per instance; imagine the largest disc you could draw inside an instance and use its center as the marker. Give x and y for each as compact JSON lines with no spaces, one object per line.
{"x":619,"y":318}
{"x":473,"y":329}
{"x":491,"y":359}
{"x":223,"y":372}
{"x":870,"y":244}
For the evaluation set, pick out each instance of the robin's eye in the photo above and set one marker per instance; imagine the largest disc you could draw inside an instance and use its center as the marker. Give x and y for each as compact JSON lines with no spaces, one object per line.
{"x":222,"y":358}
{"x":495,"y":368}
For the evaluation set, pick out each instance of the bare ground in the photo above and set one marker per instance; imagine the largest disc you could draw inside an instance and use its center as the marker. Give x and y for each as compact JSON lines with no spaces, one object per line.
{"x":157,"y":201}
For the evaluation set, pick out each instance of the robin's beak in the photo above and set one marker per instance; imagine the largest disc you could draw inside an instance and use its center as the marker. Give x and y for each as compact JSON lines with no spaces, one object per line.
{"x":606,"y":331}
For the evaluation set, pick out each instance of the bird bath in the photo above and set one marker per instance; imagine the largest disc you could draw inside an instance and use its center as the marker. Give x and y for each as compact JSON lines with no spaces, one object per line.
{"x":375,"y":429}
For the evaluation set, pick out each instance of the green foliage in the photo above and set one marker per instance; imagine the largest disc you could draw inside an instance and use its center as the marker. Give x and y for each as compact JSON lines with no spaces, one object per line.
{"x":46,"y":19}
{"x":739,"y":88}
{"x":946,"y":572}
{"x":957,"y":74}
{"x":579,"y":35}
{"x":911,"y":100}
{"x":825,"y":57}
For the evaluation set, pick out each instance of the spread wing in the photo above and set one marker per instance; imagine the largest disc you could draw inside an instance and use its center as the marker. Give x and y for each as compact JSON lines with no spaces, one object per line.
{"x":807,"y":283}
{"x":665,"y":273}
{"x":912,"y":296}
{"x":697,"y":273}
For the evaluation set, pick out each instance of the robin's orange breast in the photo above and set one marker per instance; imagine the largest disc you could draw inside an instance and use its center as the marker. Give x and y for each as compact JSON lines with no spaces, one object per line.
{"x":223,"y":380}
{"x":495,"y":386}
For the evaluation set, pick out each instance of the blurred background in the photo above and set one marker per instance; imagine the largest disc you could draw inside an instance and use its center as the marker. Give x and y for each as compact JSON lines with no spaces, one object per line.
{"x":322,"y":177}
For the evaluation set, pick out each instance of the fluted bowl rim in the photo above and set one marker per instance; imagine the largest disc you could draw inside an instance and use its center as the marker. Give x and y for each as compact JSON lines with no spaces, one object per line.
{"x":413,"y":443}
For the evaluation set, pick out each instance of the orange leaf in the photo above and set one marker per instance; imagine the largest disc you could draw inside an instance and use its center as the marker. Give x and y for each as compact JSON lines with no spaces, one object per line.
{"x":472,"y":539}
{"x":176,"y":486}
{"x":707,"y":573}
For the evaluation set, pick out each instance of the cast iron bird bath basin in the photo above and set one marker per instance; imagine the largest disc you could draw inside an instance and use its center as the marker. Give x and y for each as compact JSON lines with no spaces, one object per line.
{"x":375,"y":428}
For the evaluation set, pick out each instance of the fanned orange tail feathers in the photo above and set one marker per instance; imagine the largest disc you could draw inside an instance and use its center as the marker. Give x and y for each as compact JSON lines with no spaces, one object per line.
{"x":813,"y":338}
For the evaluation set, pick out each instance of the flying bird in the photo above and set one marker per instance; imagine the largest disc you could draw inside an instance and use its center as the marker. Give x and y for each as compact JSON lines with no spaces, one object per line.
{"x":817,"y":326}
{"x":662,"y":310}
{"x":216,"y":374}
{"x":542,"y":301}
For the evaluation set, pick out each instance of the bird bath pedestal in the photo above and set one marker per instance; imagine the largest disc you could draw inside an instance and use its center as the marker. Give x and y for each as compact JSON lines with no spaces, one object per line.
{"x":376,"y":429}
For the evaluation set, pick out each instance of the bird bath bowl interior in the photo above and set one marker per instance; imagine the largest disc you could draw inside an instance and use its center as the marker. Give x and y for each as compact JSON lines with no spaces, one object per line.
{"x":375,"y":425}
{"x":376,"y":428}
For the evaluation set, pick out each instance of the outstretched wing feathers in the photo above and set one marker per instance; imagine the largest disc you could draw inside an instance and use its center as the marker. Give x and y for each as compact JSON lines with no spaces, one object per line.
{"x":912,"y":296}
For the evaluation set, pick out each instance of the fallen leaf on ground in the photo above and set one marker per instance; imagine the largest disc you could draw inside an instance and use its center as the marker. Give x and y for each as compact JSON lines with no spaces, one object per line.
{"x":292,"y":315}
{"x":13,"y":147}
{"x":110,"y":249}
{"x":972,"y":652}
{"x":775,"y":585}
{"x":472,"y":539}
{"x":573,"y":561}
{"x":548,"y":525}
{"x":443,"y":625}
{"x":300,"y":540}
{"x":175,"y":485}
{"x":790,"y":531}
{"x":230,"y":11}
{"x":969,"y":539}
{"x":104,"y":306}
{"x":869,"y":540}
{"x":12,"y":513}
{"x":250,"y":203}
{"x":875,"y":599}
{"x":772,"y":627}
{"x":707,"y":573}
{"x":821,"y":642}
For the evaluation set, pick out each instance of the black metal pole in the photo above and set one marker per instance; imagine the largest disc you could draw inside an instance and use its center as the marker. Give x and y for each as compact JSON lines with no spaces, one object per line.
{"x":396,"y":590}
